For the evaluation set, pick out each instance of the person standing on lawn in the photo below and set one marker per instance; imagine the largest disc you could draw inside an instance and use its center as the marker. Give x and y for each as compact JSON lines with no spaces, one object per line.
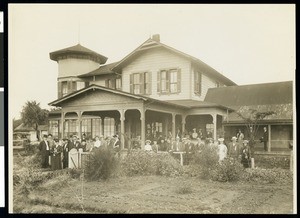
{"x":45,"y":151}
{"x":222,"y":150}
{"x":56,"y":155}
{"x":245,"y":153}
{"x":234,"y":148}
{"x":65,"y":151}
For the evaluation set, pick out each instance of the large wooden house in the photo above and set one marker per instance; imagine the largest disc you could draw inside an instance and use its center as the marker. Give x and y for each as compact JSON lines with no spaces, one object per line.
{"x":154,"y":87}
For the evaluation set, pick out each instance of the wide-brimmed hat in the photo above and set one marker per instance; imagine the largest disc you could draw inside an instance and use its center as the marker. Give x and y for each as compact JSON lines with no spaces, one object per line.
{"x":234,"y":138}
{"x":245,"y":142}
{"x":221,"y":139}
{"x":148,"y":141}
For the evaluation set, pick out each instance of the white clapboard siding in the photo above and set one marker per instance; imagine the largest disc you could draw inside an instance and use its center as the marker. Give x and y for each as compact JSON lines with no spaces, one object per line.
{"x":153,"y":61}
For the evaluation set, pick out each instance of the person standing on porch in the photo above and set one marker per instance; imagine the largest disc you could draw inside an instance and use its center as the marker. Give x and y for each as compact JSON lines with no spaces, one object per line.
{"x":76,"y":143}
{"x":240,"y":136}
{"x":265,"y":139}
{"x":97,"y":143}
{"x":148,"y":145}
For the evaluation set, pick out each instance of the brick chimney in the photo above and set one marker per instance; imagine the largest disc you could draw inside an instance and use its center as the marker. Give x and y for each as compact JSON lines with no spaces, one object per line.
{"x":156,"y":37}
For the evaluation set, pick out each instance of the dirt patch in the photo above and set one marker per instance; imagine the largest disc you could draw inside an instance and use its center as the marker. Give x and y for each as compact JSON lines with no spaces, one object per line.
{"x":156,"y":194}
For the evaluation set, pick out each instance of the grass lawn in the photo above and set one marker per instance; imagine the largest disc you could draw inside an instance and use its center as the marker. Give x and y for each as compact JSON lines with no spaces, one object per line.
{"x":154,"y":194}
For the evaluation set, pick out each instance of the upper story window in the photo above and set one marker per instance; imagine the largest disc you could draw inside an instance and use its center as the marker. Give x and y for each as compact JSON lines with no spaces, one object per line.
{"x":64,"y":88}
{"x":119,"y":83}
{"x":80,"y":85}
{"x":197,"y":82}
{"x":140,"y":83}
{"x":169,"y":81}
{"x":110,"y":83}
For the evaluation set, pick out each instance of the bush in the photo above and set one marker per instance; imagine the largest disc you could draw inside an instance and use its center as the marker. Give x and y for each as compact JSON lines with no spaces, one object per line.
{"x":74,"y":173}
{"x":272,"y":161}
{"x":229,"y":170}
{"x":274,"y":175}
{"x":147,"y":163}
{"x":101,"y":164}
{"x":206,"y":160}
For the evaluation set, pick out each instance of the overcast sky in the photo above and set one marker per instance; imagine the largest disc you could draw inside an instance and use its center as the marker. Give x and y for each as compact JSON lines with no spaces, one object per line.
{"x":247,"y":43}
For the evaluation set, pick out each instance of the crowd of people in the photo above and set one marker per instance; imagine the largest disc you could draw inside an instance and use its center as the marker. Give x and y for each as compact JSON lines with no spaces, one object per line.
{"x":55,"y":152}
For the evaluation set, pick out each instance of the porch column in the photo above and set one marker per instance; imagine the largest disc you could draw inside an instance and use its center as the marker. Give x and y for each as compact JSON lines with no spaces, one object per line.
{"x":102,"y":126}
{"x":79,"y":113}
{"x":166,"y":124}
{"x":122,"y":119}
{"x":269,"y":137}
{"x":143,"y":128}
{"x":183,"y":124}
{"x":62,"y":126}
{"x":173,"y":126}
{"x":215,"y":125}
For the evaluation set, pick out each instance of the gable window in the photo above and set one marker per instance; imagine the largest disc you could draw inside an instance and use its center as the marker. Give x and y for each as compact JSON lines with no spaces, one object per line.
{"x":197,"y":82}
{"x":169,"y":81}
{"x":140,"y":83}
{"x":64,"y":88}
{"x":119,"y":83}
{"x":110,"y":83}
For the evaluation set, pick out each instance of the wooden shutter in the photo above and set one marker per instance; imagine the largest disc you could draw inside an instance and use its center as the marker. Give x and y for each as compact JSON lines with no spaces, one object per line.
{"x":149,"y":86}
{"x":158,"y":82}
{"x":59,"y":90}
{"x":196,"y":82}
{"x":69,"y":85}
{"x":168,"y":81}
{"x":131,"y":83}
{"x":178,"y":80}
{"x":74,"y":86}
{"x":107,"y":83}
{"x":200,"y":82}
{"x":113,"y":83}
{"x":142,"y":83}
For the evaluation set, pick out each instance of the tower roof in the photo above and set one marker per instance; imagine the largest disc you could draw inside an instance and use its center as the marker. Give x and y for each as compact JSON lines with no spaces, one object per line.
{"x":78,"y":50}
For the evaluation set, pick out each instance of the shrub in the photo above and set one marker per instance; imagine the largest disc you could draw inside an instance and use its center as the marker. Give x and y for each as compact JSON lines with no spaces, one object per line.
{"x":206,"y":160}
{"x":100,"y":164}
{"x":274,"y":175}
{"x":272,"y":161}
{"x":147,"y":163}
{"x":228,"y":170}
{"x":167,"y":165}
{"x":74,"y":173}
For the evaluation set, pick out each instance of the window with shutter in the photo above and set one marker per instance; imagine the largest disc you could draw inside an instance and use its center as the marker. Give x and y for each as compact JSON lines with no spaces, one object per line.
{"x":147,"y":83}
{"x":169,"y":81}
{"x":118,"y":83}
{"x":197,"y":82}
{"x":59,"y":90}
{"x":131,"y":83}
{"x":64,"y":88}
{"x":142,"y":83}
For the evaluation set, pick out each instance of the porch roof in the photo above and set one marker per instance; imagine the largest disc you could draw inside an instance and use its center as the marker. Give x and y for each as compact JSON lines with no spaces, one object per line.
{"x":198,"y":104}
{"x":182,"y":104}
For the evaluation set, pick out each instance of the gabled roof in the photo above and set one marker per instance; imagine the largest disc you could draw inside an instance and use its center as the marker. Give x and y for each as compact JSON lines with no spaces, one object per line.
{"x":102,"y":70}
{"x":78,"y":50}
{"x":150,"y":44}
{"x":256,"y":94}
{"x":93,"y":86}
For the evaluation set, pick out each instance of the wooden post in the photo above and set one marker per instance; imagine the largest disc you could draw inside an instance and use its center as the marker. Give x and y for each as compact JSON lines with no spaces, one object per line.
{"x":143,"y":127}
{"x":183,"y":124}
{"x":102,"y":126}
{"x":173,"y":126}
{"x":269,"y":138}
{"x":215,"y":125}
{"x":80,"y":124}
{"x":62,"y":126}
{"x":122,"y":119}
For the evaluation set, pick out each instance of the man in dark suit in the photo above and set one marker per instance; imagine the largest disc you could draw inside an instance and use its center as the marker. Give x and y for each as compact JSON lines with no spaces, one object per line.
{"x":45,"y":152}
{"x":75,"y":143}
{"x":265,"y":139}
{"x":65,"y":153}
